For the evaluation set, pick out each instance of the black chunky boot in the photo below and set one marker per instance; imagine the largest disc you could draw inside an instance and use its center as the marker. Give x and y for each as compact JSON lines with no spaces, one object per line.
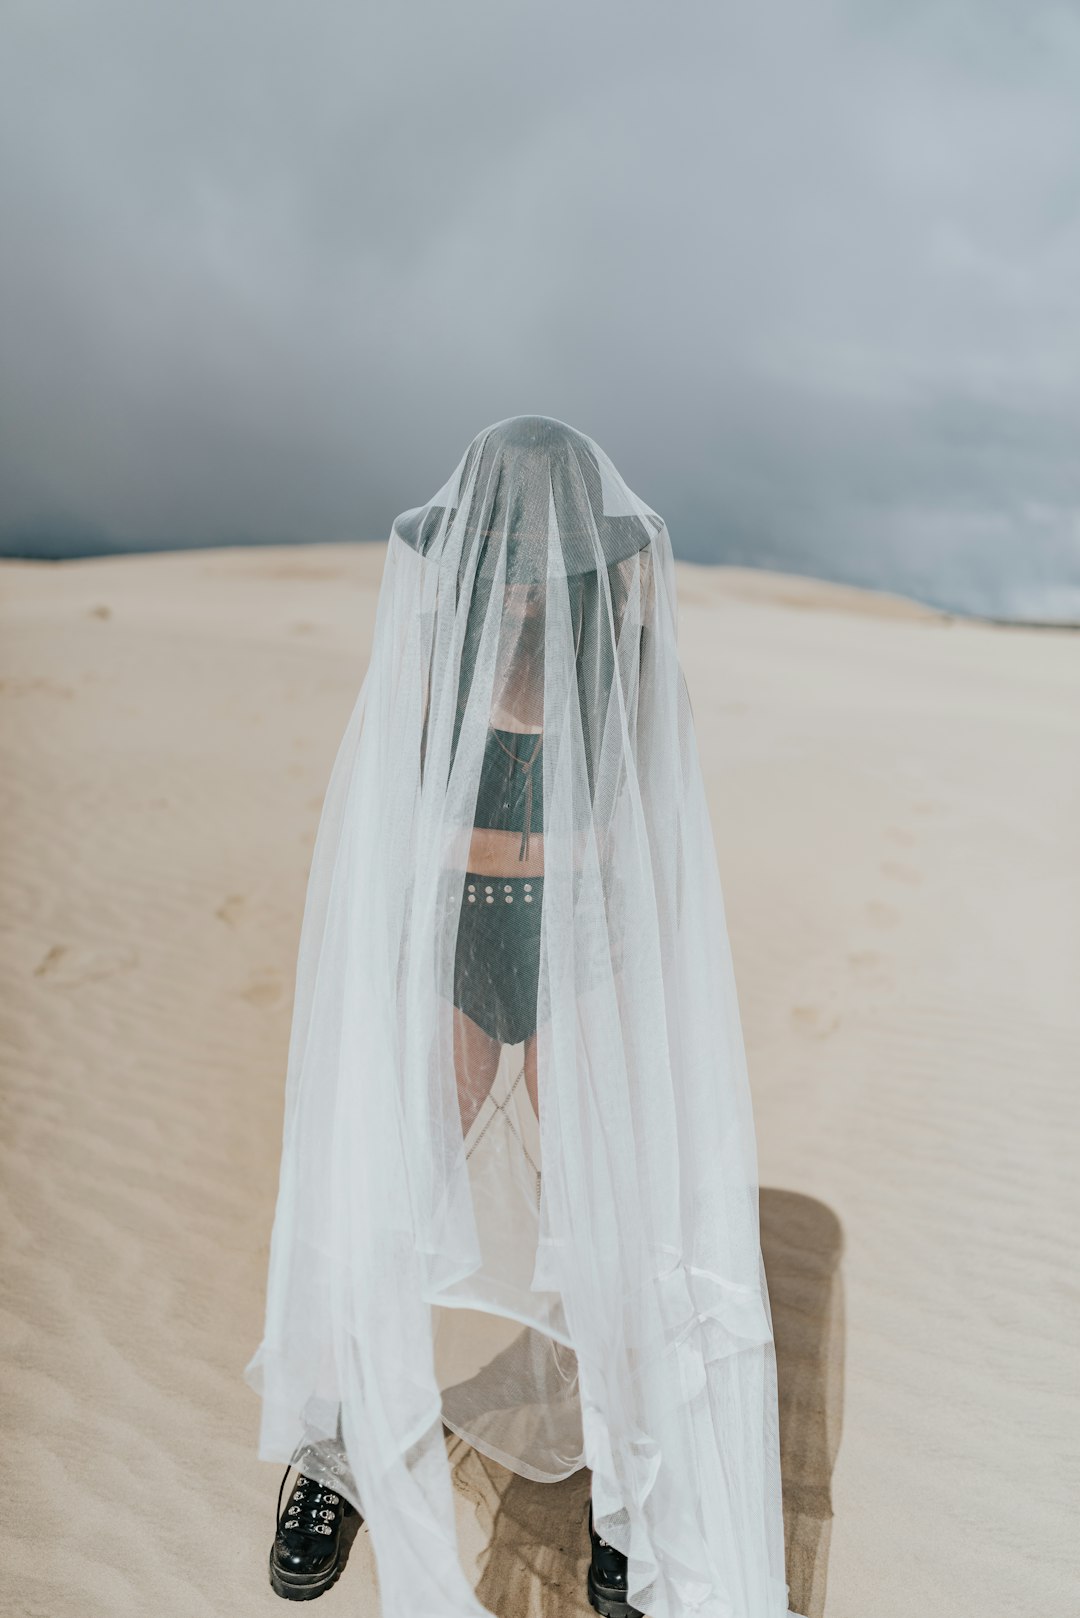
{"x":306,"y":1556}
{"x":607,"y":1578}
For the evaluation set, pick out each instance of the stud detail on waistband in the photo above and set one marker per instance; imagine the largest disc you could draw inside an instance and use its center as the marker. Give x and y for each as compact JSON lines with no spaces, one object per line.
{"x":528,"y":898}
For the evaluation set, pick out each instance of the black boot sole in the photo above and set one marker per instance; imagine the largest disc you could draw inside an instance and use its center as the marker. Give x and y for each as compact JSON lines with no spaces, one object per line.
{"x":610,"y":1603}
{"x":303,"y":1586}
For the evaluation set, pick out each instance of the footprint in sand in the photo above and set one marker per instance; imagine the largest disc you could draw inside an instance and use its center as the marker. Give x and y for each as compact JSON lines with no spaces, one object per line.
{"x":897,"y":871}
{"x":33,"y":685}
{"x":263,"y":990}
{"x":68,"y":965}
{"x":882,"y":914}
{"x":301,"y":570}
{"x":231,"y":909}
{"x":870,"y":968}
{"x":101,"y":611}
{"x":901,"y":835}
{"x":821,"y":1021}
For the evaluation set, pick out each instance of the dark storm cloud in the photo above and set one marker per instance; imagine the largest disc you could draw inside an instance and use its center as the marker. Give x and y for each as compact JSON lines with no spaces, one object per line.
{"x":809,"y":272}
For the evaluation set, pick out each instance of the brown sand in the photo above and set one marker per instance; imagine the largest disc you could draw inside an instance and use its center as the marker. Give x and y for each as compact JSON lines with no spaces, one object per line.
{"x":895,"y":797}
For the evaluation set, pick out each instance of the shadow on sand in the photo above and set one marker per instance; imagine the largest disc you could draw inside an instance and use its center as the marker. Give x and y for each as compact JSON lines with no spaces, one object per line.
{"x":802,"y":1242}
{"x":536,"y":1535}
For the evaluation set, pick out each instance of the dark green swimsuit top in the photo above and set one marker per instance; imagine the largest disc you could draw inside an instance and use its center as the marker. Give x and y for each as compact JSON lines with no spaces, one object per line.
{"x":510,"y":796}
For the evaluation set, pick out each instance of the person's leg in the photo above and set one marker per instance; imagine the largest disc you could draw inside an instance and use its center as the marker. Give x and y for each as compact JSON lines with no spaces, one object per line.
{"x":531,"y":1073}
{"x":476,"y":1062}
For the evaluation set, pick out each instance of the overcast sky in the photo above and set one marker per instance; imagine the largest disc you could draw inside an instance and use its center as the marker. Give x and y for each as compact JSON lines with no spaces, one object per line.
{"x":809,"y":272}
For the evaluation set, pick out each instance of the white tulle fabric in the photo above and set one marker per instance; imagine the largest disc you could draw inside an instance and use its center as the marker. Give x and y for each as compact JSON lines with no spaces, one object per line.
{"x":580,"y":1289}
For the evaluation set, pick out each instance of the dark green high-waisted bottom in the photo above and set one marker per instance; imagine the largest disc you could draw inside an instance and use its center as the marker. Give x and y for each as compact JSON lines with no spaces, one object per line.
{"x":497,"y":961}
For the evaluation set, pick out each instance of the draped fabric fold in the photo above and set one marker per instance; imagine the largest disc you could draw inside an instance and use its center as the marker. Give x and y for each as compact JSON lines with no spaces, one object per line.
{"x":518,"y":1187}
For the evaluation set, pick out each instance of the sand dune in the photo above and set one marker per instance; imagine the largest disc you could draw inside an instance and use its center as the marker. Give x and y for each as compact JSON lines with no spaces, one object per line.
{"x":895,"y":797}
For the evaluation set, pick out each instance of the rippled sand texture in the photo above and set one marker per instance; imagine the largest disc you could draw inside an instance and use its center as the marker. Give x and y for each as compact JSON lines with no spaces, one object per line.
{"x":895,"y":798}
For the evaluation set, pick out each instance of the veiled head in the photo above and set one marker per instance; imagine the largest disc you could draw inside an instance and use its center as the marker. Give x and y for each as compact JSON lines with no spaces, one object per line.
{"x":538,"y":493}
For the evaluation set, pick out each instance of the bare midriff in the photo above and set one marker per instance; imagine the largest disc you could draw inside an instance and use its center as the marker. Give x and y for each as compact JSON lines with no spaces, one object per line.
{"x":494,"y":852}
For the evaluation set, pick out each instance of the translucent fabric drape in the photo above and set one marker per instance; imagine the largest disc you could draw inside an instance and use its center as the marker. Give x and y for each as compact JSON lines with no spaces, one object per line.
{"x":581,"y":1286}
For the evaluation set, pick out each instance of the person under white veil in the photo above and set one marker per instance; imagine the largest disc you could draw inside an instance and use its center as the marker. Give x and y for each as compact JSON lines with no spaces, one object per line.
{"x":518,"y":1189}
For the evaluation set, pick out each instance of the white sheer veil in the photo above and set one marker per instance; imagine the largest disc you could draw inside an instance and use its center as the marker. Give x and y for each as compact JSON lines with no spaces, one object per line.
{"x":567,"y":1277}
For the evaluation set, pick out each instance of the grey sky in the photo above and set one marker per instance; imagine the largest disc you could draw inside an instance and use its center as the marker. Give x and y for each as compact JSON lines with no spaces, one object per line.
{"x":809,"y":272}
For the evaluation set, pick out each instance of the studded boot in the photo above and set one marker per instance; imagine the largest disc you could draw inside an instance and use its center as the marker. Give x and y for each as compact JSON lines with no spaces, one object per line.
{"x":607,"y":1578}
{"x":306,"y":1556}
